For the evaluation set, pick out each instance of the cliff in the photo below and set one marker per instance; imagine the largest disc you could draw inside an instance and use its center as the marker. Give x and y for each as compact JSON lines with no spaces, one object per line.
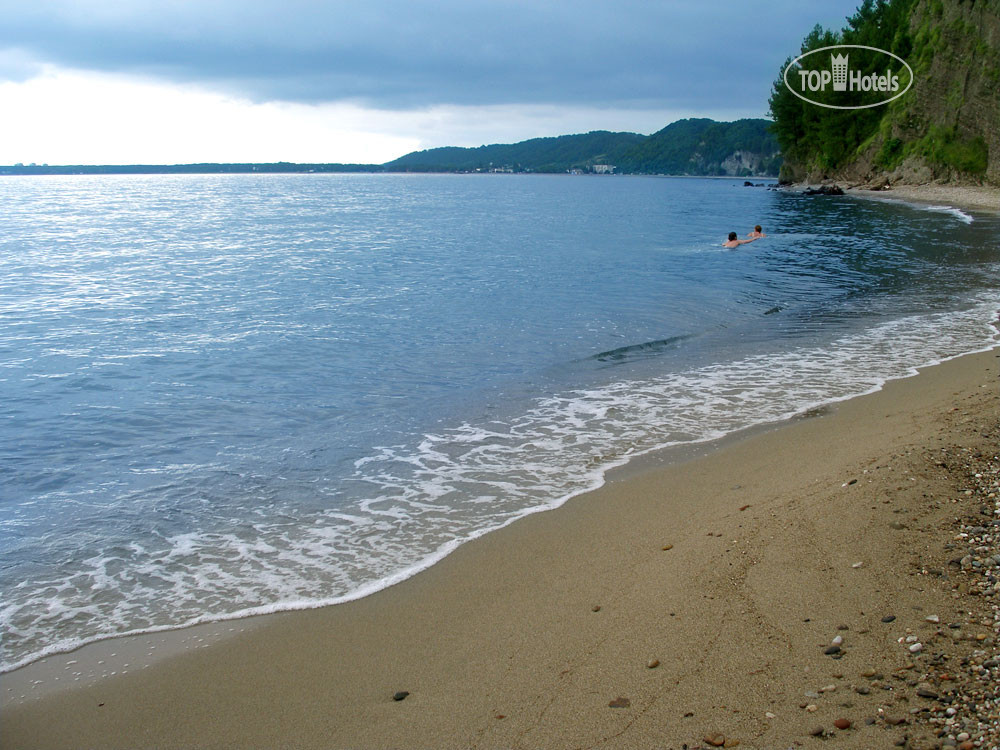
{"x":946,"y":128}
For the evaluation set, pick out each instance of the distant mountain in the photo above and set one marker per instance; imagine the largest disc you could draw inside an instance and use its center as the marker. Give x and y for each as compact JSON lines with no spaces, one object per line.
{"x":744,"y":148}
{"x":559,"y":154}
{"x":691,"y":147}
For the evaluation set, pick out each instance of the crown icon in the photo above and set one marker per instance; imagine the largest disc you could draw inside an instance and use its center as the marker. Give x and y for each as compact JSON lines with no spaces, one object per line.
{"x":839,"y":65}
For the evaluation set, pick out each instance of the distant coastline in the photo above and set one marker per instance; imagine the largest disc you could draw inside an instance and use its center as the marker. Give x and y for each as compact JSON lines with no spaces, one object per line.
{"x":694,"y":147}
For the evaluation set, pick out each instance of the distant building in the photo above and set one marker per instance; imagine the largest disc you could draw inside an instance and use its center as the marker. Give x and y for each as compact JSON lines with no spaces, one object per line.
{"x":603,"y":168}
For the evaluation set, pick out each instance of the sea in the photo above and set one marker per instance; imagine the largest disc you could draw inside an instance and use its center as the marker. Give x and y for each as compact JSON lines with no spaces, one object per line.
{"x":229,"y":395}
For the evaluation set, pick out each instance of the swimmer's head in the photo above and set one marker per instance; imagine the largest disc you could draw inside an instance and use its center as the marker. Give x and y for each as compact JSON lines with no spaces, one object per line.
{"x":732,"y":236}
{"x":757,"y":228}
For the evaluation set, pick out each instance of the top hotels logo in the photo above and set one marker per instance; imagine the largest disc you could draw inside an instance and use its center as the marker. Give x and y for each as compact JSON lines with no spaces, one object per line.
{"x":878,"y":72}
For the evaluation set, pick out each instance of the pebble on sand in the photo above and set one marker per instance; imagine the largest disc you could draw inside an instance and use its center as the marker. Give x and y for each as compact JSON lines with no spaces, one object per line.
{"x":715,"y":740}
{"x":652,"y":664}
{"x":620,"y":703}
{"x":667,"y":546}
{"x":842,"y":723}
{"x":401,"y":695}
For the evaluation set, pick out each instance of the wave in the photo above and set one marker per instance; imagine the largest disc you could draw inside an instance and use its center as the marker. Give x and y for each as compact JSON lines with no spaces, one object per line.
{"x":956,"y":212}
{"x":416,"y":502}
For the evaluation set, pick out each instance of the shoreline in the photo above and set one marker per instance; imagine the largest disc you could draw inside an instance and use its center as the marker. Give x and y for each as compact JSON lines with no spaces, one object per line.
{"x":500,"y":646}
{"x":37,"y":677}
{"x":970,"y":197}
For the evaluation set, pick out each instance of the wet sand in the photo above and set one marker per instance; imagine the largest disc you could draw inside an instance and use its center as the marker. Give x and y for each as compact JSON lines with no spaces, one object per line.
{"x":975,"y":198}
{"x":681,"y":605}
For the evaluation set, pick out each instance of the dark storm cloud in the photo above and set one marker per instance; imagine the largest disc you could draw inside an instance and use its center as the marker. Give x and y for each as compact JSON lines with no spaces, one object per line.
{"x":410,"y":53}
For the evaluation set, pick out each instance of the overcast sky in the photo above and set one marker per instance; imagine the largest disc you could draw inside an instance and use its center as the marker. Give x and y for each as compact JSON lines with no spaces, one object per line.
{"x":178,"y":81}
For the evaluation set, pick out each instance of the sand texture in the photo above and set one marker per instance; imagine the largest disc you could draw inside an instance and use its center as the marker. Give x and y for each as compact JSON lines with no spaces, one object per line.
{"x":691,"y":605}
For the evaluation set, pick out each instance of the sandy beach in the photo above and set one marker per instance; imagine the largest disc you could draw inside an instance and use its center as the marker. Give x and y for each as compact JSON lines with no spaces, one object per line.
{"x":976,"y":198}
{"x":695,"y":604}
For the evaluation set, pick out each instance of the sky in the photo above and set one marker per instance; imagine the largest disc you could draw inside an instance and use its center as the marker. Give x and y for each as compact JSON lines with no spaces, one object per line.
{"x":186,"y":81}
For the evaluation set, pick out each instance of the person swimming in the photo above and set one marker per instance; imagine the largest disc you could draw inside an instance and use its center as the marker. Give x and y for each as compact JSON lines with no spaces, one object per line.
{"x":757,"y":233}
{"x":734,"y":242}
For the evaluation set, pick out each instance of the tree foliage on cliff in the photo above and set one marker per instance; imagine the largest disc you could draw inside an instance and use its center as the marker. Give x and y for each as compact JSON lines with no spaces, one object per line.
{"x":945,"y":127}
{"x":824,"y":138}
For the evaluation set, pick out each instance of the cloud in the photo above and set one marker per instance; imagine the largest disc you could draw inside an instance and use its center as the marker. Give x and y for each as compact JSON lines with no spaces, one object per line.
{"x":405,"y":54}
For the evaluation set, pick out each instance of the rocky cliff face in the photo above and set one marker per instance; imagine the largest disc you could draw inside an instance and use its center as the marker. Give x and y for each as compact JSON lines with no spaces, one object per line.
{"x":947,"y":127}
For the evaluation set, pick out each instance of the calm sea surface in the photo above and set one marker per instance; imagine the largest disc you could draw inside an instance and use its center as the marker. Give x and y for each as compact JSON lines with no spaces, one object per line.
{"x":226,"y":395}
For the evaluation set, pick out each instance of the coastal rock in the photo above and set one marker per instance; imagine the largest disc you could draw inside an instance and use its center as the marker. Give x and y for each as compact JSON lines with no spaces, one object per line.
{"x":825,"y":190}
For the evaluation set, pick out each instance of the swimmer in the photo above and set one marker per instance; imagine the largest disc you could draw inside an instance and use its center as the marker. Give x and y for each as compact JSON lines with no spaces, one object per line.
{"x":756,"y":234}
{"x":734,"y":242}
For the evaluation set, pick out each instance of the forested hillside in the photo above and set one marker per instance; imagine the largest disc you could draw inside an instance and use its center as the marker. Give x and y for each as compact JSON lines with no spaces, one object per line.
{"x":946,"y":127}
{"x":692,"y":147}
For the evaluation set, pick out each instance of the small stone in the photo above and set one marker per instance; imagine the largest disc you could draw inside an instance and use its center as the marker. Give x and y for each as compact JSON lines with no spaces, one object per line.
{"x":731,"y":742}
{"x":897,"y":526}
{"x":869,"y":673}
{"x":620,"y":703}
{"x":812,"y":707}
{"x":816,"y":732}
{"x":927,"y":693}
{"x":769,"y":715}
{"x":888,"y":618}
{"x":838,"y":640}
{"x":596,"y":608}
{"x":842,"y":724}
{"x":715,"y":740}
{"x":831,"y":650}
{"x":916,"y":648}
{"x":401,"y":695}
{"x":967,"y":745}
{"x":932,"y":618}
{"x":862,"y":690}
{"x":652,"y":664}
{"x":856,"y":565}
{"x":962,"y":737}
{"x":665,"y":547}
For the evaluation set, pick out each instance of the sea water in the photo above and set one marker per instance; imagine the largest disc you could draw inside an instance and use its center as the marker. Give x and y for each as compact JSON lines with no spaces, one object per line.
{"x":229,"y":395}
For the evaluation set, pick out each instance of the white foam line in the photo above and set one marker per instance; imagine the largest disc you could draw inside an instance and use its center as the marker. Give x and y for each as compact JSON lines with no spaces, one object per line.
{"x":597,"y":479}
{"x":956,"y":212}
